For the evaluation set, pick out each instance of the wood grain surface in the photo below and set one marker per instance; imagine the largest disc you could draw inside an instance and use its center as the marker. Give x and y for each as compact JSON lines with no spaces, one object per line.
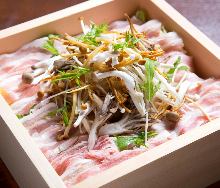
{"x":202,"y":13}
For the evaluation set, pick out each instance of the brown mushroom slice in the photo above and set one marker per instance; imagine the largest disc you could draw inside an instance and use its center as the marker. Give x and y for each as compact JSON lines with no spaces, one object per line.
{"x":172,"y":116}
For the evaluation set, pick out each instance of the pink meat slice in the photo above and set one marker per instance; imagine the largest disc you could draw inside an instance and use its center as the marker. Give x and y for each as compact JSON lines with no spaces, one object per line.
{"x":107,"y":163}
{"x":152,"y":28}
{"x":169,"y":41}
{"x":14,"y":64}
{"x":208,"y":92}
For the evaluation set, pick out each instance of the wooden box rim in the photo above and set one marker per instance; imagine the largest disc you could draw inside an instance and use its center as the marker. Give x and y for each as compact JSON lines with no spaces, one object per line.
{"x":43,"y":167}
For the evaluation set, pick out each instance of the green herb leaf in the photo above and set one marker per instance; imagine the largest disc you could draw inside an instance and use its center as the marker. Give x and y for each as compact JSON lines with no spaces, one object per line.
{"x":124,"y":142}
{"x":185,"y":68}
{"x":52,"y":36}
{"x":49,"y":45}
{"x":129,"y":42}
{"x":75,"y":74}
{"x":63,"y":112}
{"x":96,"y":31}
{"x":54,"y":112}
{"x":20,"y":116}
{"x":119,"y":46}
{"x":65,"y":117}
{"x":172,"y":70}
{"x":141,"y":15}
{"x":176,"y":63}
{"x":149,"y":87}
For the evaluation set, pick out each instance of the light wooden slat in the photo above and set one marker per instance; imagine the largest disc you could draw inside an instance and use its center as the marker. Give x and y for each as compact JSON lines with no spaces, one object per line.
{"x":23,"y":158}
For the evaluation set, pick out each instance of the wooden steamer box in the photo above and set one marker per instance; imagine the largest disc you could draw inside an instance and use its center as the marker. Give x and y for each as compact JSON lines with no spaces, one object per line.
{"x":191,"y":160}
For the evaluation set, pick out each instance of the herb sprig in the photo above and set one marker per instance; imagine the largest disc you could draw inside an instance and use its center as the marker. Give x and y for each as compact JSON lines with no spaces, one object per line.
{"x":149,"y":87}
{"x":140,"y":14}
{"x":49,"y":45}
{"x":124,"y":142}
{"x":63,"y":112}
{"x":96,"y":31}
{"x":130,"y":42}
{"x":74,"y":74}
{"x":20,"y":116}
{"x":169,"y":74}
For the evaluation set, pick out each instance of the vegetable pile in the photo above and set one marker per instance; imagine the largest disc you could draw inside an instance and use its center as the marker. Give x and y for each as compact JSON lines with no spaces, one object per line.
{"x":110,"y":83}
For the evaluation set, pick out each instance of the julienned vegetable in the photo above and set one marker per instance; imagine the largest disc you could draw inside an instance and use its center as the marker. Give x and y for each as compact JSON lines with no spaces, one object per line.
{"x":111,"y":83}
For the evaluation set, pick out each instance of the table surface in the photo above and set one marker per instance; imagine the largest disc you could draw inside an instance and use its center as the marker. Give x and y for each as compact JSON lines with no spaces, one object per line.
{"x":202,"y":13}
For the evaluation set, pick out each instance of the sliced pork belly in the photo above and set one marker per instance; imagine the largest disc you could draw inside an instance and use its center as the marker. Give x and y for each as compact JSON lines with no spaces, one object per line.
{"x":169,"y":41}
{"x":14,"y":64}
{"x":120,"y":24}
{"x":152,"y":28}
{"x":208,"y":93}
{"x":171,"y":57}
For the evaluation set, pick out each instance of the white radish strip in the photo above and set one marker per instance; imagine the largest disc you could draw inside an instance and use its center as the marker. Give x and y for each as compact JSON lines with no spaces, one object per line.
{"x":130,"y":51}
{"x":111,"y":37}
{"x":71,"y":90}
{"x":164,"y":98}
{"x":83,"y":114}
{"x":83,"y":26}
{"x":115,"y":61}
{"x":182,"y":92}
{"x":129,"y":71}
{"x":103,"y":56}
{"x":77,"y":61}
{"x":106,"y":103}
{"x":165,"y":65}
{"x":113,"y":128}
{"x":175,"y":72}
{"x":139,"y":72}
{"x":170,"y":88}
{"x":182,"y":79}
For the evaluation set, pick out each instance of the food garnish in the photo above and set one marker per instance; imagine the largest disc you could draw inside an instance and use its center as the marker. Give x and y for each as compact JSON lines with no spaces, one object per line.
{"x":133,"y":141}
{"x":110,"y":83}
